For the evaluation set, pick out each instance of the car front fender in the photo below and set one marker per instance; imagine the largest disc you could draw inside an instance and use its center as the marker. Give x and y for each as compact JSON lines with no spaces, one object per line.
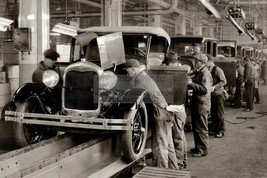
{"x":132,"y":98}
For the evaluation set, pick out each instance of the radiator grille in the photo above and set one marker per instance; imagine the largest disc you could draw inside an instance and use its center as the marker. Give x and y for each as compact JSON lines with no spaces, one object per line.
{"x":81,"y":90}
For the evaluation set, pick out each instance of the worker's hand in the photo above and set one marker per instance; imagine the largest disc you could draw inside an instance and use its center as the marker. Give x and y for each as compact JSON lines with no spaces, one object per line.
{"x":189,"y":81}
{"x":212,"y":88}
{"x":243,"y":84}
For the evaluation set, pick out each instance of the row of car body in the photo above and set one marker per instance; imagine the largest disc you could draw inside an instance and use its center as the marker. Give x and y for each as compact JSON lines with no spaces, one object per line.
{"x":95,"y":97}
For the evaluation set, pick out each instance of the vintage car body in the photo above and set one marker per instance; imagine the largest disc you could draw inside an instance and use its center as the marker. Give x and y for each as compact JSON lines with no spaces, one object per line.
{"x":186,"y":46}
{"x":96,"y":97}
{"x":227,"y":49}
{"x":243,"y":51}
{"x":189,"y":44}
{"x":226,"y":59}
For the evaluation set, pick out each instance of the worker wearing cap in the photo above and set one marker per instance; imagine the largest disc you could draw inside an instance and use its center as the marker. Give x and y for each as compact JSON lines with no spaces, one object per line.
{"x":47,"y":64}
{"x":171,"y":59}
{"x":162,"y":144}
{"x":217,"y":97}
{"x":200,"y":105}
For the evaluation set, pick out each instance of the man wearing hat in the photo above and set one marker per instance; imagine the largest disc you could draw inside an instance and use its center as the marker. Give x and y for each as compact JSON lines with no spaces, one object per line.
{"x":162,"y":143}
{"x":47,"y":64}
{"x":200,"y":105}
{"x":217,"y":97}
{"x":171,"y":59}
{"x":249,"y":82}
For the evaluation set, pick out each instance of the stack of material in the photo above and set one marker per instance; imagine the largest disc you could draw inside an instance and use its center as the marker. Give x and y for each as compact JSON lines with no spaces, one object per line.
{"x":13,"y":77}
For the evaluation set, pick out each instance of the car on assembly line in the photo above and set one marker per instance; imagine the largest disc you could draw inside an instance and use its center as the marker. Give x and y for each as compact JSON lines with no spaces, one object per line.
{"x":244,"y":50}
{"x":227,"y":49}
{"x":94,"y":96}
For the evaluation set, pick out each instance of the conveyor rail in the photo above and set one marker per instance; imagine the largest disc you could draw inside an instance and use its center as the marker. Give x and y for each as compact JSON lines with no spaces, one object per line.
{"x":63,"y":157}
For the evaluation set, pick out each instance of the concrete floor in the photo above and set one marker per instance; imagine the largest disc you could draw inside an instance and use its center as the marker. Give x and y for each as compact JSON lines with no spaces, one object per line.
{"x":242,"y":152}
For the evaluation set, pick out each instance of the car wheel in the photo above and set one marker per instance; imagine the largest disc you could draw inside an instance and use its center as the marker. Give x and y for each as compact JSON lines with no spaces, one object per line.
{"x":134,"y":141}
{"x":10,"y":106}
{"x":26,"y":134}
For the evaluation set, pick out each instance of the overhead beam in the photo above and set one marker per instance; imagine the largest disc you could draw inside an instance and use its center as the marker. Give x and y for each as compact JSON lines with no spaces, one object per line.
{"x":250,"y":2}
{"x":207,"y":5}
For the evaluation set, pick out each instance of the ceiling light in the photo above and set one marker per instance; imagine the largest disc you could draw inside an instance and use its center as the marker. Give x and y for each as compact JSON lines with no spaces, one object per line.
{"x":5,"y":23}
{"x":65,"y":29}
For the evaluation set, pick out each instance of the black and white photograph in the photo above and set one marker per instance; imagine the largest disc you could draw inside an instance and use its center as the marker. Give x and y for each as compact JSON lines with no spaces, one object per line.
{"x":133,"y":88}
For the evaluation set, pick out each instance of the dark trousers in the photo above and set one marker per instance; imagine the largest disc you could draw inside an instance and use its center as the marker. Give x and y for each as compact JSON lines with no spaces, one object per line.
{"x":238,"y":92}
{"x":249,"y":93}
{"x":217,"y":113}
{"x":256,"y":94}
{"x":200,"y":129}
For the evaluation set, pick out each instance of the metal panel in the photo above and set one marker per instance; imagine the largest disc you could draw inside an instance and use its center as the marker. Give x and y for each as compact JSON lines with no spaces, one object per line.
{"x":172,"y":81}
{"x":229,"y":68}
{"x":152,"y":172}
{"x":19,"y":160}
{"x":83,"y":163}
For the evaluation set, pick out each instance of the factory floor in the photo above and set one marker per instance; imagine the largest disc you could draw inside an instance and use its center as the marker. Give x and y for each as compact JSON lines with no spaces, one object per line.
{"x":242,"y":152}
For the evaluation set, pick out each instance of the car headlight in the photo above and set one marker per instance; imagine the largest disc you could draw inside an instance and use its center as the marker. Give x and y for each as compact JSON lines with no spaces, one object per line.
{"x":108,"y":80}
{"x":50,"y":78}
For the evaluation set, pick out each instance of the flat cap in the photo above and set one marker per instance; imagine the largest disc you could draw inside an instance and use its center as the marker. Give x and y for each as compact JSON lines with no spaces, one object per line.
{"x":201,"y":57}
{"x":170,"y":57}
{"x":51,"y":54}
{"x":132,"y":63}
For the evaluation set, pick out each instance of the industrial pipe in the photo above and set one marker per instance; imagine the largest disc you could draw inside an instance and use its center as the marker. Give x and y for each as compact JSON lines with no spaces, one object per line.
{"x":171,"y":9}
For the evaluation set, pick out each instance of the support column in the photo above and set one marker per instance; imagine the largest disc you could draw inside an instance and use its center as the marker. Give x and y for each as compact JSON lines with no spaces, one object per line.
{"x":113,"y":12}
{"x":197,"y":28}
{"x":155,"y":20}
{"x":34,"y":15}
{"x":211,"y":31}
{"x":180,"y":27}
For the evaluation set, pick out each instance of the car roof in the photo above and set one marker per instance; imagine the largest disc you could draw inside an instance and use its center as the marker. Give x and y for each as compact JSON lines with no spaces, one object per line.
{"x":128,"y":29}
{"x":230,"y":45}
{"x":203,"y":38}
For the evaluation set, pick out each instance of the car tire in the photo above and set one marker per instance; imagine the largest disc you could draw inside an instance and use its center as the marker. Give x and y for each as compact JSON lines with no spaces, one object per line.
{"x":134,"y":141}
{"x":10,"y":106}
{"x":26,"y":134}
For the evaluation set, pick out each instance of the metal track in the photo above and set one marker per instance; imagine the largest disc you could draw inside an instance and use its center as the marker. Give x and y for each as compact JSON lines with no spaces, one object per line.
{"x":64,"y":157}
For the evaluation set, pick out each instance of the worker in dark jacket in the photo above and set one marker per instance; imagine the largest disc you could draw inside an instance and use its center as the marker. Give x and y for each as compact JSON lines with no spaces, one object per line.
{"x":217,"y":97}
{"x":200,"y":105}
{"x":50,"y":58}
{"x":162,"y":143}
{"x":249,"y":77}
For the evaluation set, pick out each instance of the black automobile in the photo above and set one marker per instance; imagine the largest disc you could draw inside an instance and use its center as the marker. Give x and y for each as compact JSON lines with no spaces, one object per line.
{"x":95,"y":95}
